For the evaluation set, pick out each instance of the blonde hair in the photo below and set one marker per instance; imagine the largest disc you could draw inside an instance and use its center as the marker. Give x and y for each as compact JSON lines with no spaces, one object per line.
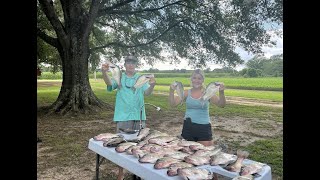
{"x":198,"y":71}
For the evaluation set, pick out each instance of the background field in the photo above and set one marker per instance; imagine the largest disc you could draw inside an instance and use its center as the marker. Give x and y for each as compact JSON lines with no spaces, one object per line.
{"x":63,"y":154}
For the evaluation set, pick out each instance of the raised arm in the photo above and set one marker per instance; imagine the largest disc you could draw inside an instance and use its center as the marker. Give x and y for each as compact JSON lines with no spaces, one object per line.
{"x":106,"y":78}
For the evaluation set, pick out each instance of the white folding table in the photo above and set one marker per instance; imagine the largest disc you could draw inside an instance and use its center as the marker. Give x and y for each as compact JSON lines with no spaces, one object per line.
{"x":148,"y":172}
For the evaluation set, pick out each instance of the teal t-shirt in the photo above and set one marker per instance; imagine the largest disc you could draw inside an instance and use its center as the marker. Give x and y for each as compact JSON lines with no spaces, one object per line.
{"x":128,"y":103}
{"x":196,"y":111}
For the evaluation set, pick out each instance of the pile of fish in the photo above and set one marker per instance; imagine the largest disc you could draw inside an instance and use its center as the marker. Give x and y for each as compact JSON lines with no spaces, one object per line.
{"x":179,"y":156}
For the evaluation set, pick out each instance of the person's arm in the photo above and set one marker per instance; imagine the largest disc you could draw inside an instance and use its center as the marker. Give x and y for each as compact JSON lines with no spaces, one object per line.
{"x":174,"y":100}
{"x":152,"y":83}
{"x":221,"y":99}
{"x":106,"y":78}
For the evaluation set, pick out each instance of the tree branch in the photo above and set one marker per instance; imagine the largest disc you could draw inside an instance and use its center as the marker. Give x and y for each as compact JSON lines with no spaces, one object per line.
{"x":119,"y":44}
{"x":50,"y":40}
{"x":47,"y":8}
{"x":94,"y":8}
{"x":111,"y":11}
{"x":102,"y":12}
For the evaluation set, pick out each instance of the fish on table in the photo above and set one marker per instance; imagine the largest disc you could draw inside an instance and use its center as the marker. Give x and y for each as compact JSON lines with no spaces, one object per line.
{"x":162,"y":140}
{"x":165,"y":162}
{"x":113,"y":142}
{"x":192,"y":173}
{"x":222,"y":159}
{"x":245,"y":177}
{"x":236,"y":166}
{"x":124,"y":146}
{"x":105,"y":136}
{"x":173,"y":168}
{"x":251,"y":169}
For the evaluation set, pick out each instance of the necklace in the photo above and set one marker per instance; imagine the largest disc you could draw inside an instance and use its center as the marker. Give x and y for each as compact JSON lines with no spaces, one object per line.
{"x":127,"y":82}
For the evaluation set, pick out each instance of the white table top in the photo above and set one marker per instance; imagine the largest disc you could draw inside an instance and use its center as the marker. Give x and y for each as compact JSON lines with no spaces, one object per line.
{"x":148,"y":172}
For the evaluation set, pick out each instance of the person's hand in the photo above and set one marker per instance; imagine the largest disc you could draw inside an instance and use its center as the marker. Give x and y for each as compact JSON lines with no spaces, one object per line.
{"x":173,"y":86}
{"x":105,"y":67}
{"x":221,"y":87}
{"x":152,"y":81}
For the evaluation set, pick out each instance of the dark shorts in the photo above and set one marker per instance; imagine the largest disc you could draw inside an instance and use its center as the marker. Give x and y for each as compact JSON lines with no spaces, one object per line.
{"x":196,"y":132}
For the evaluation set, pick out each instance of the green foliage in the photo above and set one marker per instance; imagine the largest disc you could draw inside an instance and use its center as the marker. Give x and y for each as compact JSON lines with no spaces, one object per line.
{"x":200,"y":32}
{"x":269,"y":152}
{"x":261,"y":66}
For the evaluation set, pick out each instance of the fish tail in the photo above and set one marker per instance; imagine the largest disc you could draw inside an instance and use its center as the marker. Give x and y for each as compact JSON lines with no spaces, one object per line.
{"x":242,"y":153}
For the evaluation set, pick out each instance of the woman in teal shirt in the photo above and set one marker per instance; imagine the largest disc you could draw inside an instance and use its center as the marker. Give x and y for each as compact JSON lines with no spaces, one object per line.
{"x":197,"y":125}
{"x":128,"y":103}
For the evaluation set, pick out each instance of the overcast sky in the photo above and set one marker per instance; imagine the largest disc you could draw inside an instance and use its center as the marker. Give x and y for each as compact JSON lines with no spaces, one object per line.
{"x":268,"y":51}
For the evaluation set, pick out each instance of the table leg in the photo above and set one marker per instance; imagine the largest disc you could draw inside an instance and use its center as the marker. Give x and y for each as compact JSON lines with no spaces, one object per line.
{"x":97,"y":166}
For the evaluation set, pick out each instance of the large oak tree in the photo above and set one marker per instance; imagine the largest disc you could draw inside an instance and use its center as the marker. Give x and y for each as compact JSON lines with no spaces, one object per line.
{"x":76,"y":33}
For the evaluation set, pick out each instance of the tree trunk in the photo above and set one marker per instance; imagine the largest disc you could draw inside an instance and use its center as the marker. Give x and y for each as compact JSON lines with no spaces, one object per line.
{"x":76,"y":95}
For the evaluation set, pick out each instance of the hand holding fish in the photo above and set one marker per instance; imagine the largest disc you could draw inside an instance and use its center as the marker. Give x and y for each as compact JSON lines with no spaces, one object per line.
{"x":105,"y":67}
{"x":221,"y":86}
{"x":173,"y":86}
{"x":152,"y":81}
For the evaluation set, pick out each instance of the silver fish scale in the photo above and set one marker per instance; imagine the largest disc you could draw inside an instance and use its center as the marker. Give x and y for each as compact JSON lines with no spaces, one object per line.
{"x":142,"y":80}
{"x":210,"y":91}
{"x":179,"y":89}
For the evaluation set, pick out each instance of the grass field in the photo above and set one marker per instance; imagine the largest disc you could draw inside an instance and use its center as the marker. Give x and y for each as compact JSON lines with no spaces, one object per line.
{"x":63,"y":153}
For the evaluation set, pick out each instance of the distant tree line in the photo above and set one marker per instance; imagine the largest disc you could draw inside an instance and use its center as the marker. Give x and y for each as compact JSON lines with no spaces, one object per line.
{"x":264,"y":67}
{"x":258,"y":66}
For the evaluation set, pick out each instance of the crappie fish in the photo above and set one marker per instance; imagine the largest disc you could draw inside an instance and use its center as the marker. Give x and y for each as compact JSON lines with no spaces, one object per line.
{"x":113,"y":142}
{"x":131,"y":148}
{"x":153,"y":134}
{"x":105,"y":136}
{"x":210,"y":91}
{"x":143,"y":133}
{"x":222,"y":159}
{"x":138,"y":153}
{"x":179,"y":90}
{"x":251,"y":168}
{"x":149,"y":146}
{"x":236,"y":166}
{"x":172,"y":171}
{"x":141,"y":81}
{"x":165,"y":162}
{"x":162,"y":140}
{"x":151,"y":157}
{"x":124,"y":146}
{"x":188,"y":143}
{"x":192,"y":173}
{"x":178,"y":155}
{"x":207,"y":152}
{"x":246,"y":177}
{"x":197,"y":160}
{"x":116,"y":72}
